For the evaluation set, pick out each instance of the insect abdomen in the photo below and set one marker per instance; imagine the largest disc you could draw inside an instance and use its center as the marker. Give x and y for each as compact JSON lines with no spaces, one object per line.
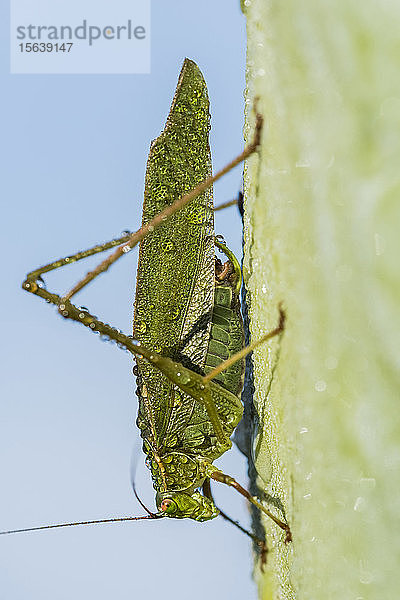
{"x":226,"y":339}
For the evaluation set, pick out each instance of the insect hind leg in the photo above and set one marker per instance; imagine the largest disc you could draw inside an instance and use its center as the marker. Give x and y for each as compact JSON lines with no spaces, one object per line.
{"x":218,"y":475}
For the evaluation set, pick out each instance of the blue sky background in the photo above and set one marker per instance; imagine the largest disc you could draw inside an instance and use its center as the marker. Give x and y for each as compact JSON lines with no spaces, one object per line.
{"x":73,"y":161}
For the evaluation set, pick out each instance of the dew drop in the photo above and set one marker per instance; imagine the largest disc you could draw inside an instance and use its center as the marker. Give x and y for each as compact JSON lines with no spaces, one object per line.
{"x":366,"y":576}
{"x":359,"y":504}
{"x":320,"y":386}
{"x":185,"y":379}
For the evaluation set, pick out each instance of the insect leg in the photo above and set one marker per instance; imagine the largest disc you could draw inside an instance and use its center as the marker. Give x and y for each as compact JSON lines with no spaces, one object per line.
{"x":30,"y":284}
{"x":172,"y":209}
{"x":228,"y":203}
{"x":260,"y":544}
{"x":217,"y":475}
{"x":242,"y":353}
{"x":185,"y":379}
{"x":126,"y":243}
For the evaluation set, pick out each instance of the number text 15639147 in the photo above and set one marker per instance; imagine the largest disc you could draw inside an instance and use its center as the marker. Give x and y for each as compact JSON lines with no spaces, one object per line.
{"x":45,"y":47}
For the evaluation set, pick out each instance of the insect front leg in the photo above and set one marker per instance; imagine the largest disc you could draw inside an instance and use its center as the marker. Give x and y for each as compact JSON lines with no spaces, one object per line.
{"x":31,"y":282}
{"x":34,"y":284}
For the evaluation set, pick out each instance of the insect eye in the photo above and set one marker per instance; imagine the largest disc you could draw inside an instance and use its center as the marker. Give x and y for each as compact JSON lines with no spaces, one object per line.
{"x":168,"y":505}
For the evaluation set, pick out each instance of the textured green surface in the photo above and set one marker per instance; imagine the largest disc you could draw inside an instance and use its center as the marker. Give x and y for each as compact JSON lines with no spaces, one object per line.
{"x":175,"y":281}
{"x":322,"y":234}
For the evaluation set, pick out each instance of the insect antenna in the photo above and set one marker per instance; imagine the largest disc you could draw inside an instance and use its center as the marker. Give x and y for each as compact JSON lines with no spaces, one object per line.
{"x":151,"y":514}
{"x":114,"y":520}
{"x":133,"y":470}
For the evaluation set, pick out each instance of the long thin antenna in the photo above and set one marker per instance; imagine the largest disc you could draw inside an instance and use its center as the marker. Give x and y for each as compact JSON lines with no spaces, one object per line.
{"x":115,"y":520}
{"x":151,"y":515}
{"x":133,"y":477}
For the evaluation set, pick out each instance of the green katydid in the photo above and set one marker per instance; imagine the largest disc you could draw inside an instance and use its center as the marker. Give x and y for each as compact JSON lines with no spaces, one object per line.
{"x":187,"y":336}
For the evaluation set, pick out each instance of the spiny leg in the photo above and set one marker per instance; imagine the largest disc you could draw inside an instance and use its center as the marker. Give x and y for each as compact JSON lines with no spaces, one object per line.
{"x":30,"y":284}
{"x":187,"y":380}
{"x":222,"y":477}
{"x":260,"y":544}
{"x":247,"y":349}
{"x":198,"y":387}
{"x":159,"y":219}
{"x":217,"y":475}
{"x":129,"y":241}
